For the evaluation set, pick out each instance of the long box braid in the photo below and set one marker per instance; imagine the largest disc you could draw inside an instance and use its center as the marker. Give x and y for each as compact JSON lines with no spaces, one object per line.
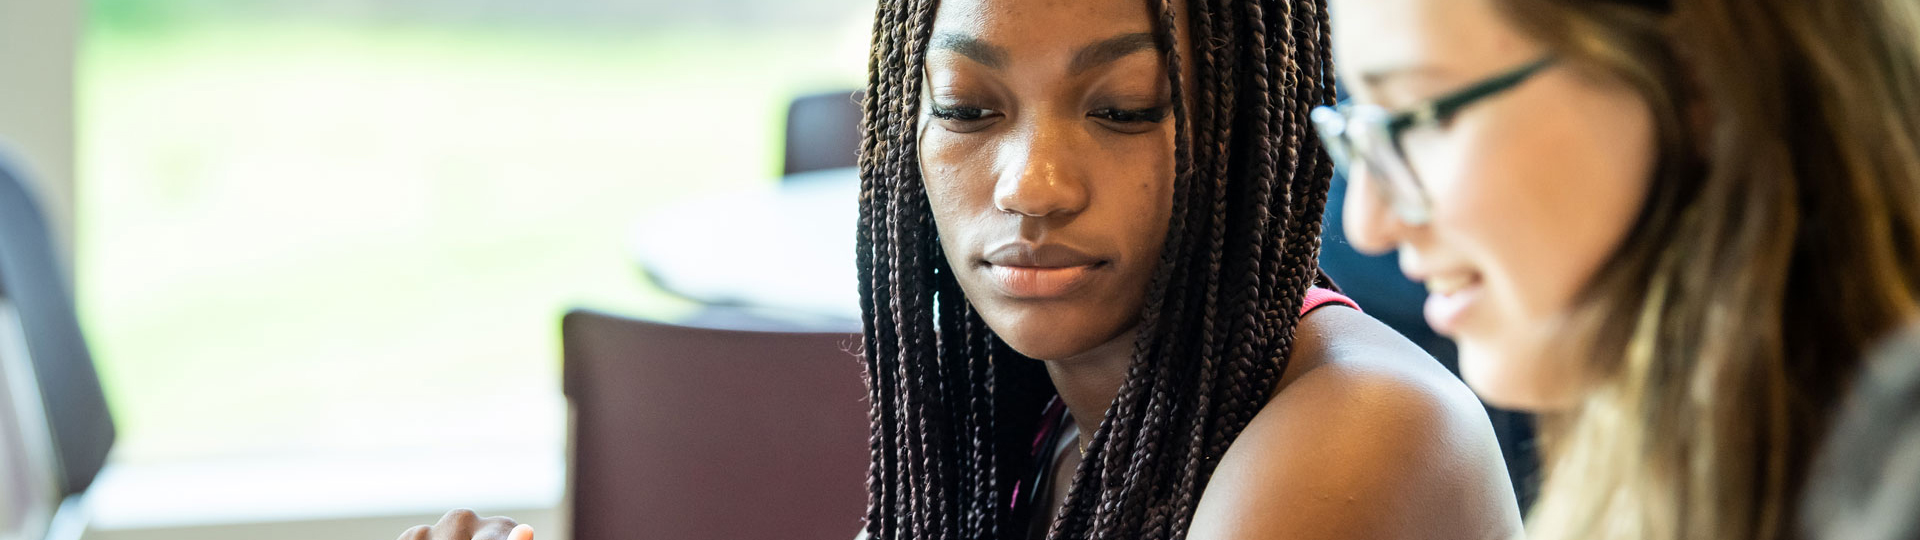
{"x":953,"y":407}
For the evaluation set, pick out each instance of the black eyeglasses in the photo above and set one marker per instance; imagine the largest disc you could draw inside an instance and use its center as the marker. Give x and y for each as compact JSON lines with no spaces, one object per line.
{"x":1372,"y":134}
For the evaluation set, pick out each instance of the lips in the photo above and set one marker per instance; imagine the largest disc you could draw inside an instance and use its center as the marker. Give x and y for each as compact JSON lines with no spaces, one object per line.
{"x":1451,"y":283}
{"x":1039,"y":271}
{"x":1030,"y":255}
{"x":1449,"y":296}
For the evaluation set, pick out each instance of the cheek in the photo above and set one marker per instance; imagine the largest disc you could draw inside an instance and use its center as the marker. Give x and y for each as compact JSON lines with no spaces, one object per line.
{"x":1537,"y":202}
{"x":1140,"y":169}
{"x":958,"y":185}
{"x":1134,"y":184}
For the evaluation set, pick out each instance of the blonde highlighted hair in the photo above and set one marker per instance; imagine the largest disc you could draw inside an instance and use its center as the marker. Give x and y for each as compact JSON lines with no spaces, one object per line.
{"x":1780,"y":238}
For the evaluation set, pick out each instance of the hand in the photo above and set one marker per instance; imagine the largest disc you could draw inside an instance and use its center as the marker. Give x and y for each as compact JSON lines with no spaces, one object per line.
{"x":463,"y":524}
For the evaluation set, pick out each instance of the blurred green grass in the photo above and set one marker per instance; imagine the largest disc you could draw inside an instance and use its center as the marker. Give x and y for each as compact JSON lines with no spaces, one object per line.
{"x":330,"y":237}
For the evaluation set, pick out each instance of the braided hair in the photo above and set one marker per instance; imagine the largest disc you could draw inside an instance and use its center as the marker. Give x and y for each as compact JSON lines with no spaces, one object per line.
{"x":954,"y":409}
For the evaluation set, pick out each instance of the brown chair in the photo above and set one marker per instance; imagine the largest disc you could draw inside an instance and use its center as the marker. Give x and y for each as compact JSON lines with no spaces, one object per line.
{"x":683,"y":433}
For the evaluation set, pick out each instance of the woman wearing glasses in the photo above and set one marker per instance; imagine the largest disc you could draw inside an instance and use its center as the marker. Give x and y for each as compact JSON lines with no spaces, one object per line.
{"x":1671,"y":228}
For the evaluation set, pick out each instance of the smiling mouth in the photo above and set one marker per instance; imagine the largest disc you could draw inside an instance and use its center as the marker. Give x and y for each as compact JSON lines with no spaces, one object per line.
{"x":1450,"y":284}
{"x":1448,"y":299}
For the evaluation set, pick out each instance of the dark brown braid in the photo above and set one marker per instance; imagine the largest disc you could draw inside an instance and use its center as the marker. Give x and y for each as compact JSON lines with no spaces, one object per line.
{"x":954,"y":409}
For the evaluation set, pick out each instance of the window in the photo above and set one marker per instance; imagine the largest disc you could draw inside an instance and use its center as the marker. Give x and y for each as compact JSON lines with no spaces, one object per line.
{"x":335,"y":228}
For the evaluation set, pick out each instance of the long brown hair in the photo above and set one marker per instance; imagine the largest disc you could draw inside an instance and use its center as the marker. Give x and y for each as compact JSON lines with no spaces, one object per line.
{"x":1779,"y":239}
{"x":954,"y":409}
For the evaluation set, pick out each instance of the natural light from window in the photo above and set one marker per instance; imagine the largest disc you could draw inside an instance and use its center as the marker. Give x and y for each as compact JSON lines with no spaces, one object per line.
{"x":328,"y":228}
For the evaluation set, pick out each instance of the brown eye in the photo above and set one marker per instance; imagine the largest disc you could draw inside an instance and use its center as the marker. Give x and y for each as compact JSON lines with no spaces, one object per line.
{"x":1131,"y":116}
{"x":958,"y":113}
{"x":1130,"y":121}
{"x":963,"y":119}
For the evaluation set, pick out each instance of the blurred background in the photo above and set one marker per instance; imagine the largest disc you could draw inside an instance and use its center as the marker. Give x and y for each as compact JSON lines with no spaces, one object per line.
{"x":337,"y":266}
{"x":392,"y":201}
{"x":321,"y":248}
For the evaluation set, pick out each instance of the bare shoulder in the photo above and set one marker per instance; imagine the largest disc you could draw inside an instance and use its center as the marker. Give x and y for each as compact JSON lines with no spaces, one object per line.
{"x":1367,"y":437}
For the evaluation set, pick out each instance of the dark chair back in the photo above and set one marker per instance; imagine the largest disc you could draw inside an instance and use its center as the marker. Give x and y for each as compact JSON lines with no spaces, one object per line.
{"x":31,"y":278}
{"x":823,"y":132}
{"x":702,"y":434}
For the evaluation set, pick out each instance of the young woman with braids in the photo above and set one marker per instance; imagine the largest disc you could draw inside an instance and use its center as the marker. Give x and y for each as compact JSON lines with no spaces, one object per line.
{"x":1087,"y":251}
{"x":1087,"y":258}
{"x":1671,"y":228}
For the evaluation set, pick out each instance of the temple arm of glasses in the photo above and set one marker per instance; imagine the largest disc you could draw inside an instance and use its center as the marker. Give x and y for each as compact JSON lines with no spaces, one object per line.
{"x":1444,"y":107}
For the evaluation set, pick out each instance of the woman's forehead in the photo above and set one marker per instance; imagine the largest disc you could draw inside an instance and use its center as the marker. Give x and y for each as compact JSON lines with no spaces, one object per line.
{"x":1378,"y":41}
{"x":1025,"y":24}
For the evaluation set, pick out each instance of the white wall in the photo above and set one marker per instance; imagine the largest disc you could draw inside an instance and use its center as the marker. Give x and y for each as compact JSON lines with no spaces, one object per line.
{"x":37,"y":44}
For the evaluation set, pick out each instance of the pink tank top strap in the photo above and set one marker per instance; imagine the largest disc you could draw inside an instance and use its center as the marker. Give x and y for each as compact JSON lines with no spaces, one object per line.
{"x":1052,"y":420}
{"x":1317,"y":297}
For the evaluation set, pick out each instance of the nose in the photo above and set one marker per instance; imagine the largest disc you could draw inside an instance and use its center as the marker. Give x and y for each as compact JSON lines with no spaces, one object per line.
{"x":1038,"y":176}
{"x":1371,"y":224}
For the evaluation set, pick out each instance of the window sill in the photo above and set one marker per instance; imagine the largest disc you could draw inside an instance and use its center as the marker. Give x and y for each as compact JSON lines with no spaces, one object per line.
{"x":324,"y":497}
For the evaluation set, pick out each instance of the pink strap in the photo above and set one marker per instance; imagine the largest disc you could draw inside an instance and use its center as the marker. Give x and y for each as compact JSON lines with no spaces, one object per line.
{"x":1317,"y":297}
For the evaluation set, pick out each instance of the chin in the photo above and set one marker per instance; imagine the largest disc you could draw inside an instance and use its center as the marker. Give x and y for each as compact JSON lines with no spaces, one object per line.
{"x":1042,"y":334}
{"x":1518,"y":378}
{"x":1037,"y":351}
{"x":1043,"y":342}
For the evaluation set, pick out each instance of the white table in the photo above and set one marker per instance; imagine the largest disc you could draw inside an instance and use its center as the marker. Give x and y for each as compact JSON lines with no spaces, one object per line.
{"x":785,"y":248}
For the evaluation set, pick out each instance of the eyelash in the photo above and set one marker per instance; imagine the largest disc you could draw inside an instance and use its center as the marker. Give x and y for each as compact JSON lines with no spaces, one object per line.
{"x":1152,"y":115}
{"x":963,"y":114}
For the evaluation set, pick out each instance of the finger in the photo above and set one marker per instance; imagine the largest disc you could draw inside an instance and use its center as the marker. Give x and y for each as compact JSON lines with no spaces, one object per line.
{"x":494,"y":528}
{"x":458,"y":524}
{"x":522,"y":532}
{"x":418,"y":532}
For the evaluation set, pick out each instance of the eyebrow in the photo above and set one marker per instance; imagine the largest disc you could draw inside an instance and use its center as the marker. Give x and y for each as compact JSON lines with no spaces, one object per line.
{"x":1108,"y":50}
{"x":1381,"y":84}
{"x":986,"y":54}
{"x":1382,"y":77}
{"x":1099,"y":53}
